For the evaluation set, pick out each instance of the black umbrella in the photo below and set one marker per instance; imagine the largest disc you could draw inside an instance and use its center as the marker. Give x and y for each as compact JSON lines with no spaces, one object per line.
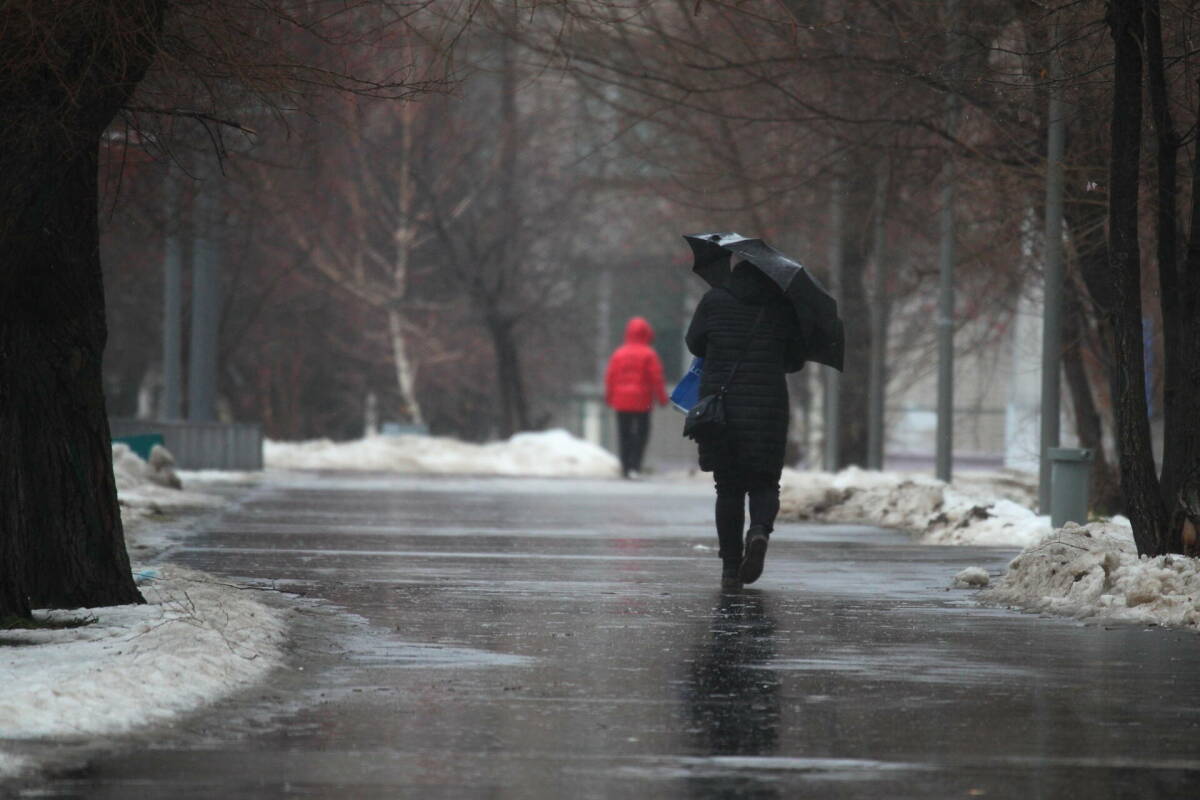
{"x":815,"y":307}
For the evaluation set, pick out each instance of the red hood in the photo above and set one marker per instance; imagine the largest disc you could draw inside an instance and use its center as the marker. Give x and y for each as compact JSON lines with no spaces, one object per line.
{"x":638,"y":331}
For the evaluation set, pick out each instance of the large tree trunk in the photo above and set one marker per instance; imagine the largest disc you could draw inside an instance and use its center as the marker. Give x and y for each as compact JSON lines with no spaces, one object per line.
{"x":1177,"y":298}
{"x":56,"y":462}
{"x":61,"y":539}
{"x":1139,"y":482}
{"x":1186,"y":481}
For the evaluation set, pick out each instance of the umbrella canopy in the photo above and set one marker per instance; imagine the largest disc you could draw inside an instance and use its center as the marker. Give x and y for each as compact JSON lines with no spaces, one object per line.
{"x":815,"y":307}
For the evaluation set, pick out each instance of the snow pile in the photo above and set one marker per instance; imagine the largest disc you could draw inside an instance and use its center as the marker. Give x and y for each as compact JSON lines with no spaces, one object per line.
{"x":1095,"y":572}
{"x":972,"y":578}
{"x":11,"y":765}
{"x":195,"y":640}
{"x":988,"y":509}
{"x":148,"y":490}
{"x":554,"y":453}
{"x":131,"y":471}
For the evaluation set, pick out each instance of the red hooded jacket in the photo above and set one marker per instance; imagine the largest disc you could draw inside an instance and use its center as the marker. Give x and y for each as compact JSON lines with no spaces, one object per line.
{"x":634,"y":378}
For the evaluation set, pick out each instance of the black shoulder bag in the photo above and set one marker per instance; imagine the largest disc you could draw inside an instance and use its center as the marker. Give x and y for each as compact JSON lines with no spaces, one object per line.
{"x":705,"y":422}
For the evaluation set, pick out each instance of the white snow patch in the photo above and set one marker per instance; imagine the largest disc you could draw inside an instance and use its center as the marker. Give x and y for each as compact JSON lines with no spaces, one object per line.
{"x":11,"y":765}
{"x":149,"y":490}
{"x":192,"y":476}
{"x":980,"y":509}
{"x":972,"y":578}
{"x":1094,"y":572}
{"x":195,"y":640}
{"x":554,"y":453}
{"x":131,"y":471}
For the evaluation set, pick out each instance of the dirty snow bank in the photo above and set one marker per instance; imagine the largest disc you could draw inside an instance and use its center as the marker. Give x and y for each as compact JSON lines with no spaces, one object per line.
{"x":976,"y":509}
{"x":554,"y":453}
{"x":152,"y":486}
{"x":195,"y":640}
{"x":149,"y":493}
{"x":1094,"y":572}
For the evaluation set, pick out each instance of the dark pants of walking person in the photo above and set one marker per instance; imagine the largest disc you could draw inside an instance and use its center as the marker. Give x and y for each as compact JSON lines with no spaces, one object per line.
{"x":733,"y":488}
{"x":633,"y":429}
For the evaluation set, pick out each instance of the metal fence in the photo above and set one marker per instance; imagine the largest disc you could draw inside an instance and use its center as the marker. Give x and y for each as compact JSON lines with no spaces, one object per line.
{"x":202,"y":445}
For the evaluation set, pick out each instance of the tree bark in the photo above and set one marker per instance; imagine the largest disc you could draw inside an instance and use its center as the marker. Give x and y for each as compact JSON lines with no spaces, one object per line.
{"x":510,"y":387}
{"x":406,"y":371}
{"x":55,"y":452}
{"x":1186,"y":499}
{"x":1178,"y":302}
{"x":405,"y":237}
{"x":1139,"y":481}
{"x":61,"y":539}
{"x":1104,"y":490}
{"x":1086,"y":222}
{"x":855,"y":305}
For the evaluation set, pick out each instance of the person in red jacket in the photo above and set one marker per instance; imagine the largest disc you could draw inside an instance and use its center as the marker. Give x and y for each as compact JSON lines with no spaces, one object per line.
{"x":632,"y":382}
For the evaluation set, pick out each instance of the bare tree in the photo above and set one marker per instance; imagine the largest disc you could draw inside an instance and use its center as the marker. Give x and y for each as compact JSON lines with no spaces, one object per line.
{"x":69,"y":69}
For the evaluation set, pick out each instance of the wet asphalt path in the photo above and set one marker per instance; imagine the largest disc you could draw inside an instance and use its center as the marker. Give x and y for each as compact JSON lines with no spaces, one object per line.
{"x":549,"y":639}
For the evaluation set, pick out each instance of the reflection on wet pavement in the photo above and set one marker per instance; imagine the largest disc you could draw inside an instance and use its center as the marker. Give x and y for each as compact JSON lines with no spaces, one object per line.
{"x":543,"y":639}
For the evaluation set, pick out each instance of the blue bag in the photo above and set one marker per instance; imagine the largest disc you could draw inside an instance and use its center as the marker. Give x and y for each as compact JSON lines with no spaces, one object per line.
{"x":687,"y":392}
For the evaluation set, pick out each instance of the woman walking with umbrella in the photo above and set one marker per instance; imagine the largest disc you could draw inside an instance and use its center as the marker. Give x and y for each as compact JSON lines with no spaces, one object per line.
{"x":751,"y":332}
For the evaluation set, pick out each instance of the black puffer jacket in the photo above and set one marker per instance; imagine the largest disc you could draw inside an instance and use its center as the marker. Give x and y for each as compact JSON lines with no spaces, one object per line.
{"x":756,"y":403}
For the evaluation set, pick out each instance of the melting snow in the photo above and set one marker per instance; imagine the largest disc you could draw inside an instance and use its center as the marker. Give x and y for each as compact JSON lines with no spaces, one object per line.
{"x":554,"y":453}
{"x":972,"y":578}
{"x":981,"y":509}
{"x":1088,"y":572}
{"x":1094,"y":572}
{"x":194,"y":641}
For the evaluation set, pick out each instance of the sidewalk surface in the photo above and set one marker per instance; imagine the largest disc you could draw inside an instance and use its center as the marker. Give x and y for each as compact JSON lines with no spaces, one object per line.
{"x":463,"y":638}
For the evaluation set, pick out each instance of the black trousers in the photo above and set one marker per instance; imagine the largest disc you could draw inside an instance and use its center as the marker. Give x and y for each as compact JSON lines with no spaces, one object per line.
{"x":633,"y":430}
{"x":733,"y":488}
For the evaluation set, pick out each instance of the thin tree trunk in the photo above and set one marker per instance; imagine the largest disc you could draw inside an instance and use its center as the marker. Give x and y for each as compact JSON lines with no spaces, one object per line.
{"x":404,"y":236}
{"x":830,"y":398}
{"x":1104,"y":491}
{"x":1186,"y":500}
{"x":854,"y":305}
{"x":877,"y":382}
{"x":1086,"y":222}
{"x":511,"y":385}
{"x":406,"y":371}
{"x":1139,"y":482}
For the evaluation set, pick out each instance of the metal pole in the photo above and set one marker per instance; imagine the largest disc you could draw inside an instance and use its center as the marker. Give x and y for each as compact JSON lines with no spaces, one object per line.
{"x":945,"y":319}
{"x":172,"y":330}
{"x":1052,"y":324}
{"x":833,"y":386}
{"x":877,"y":379}
{"x":945,"y":332}
{"x":202,"y":359}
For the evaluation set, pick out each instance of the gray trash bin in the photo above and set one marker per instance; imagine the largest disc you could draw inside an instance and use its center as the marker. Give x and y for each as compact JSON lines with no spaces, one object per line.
{"x":1070,"y":469}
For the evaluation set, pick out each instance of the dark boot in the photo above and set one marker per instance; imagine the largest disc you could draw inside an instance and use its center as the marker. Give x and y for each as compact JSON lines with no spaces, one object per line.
{"x":730,"y":578}
{"x":756,"y":553}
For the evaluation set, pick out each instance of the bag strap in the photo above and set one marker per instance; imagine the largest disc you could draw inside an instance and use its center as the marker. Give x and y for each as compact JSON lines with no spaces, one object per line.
{"x":745,"y":349}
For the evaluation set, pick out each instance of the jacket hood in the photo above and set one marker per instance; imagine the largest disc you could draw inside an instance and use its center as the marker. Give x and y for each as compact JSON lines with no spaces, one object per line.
{"x":638,"y":331}
{"x":748,"y":284}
